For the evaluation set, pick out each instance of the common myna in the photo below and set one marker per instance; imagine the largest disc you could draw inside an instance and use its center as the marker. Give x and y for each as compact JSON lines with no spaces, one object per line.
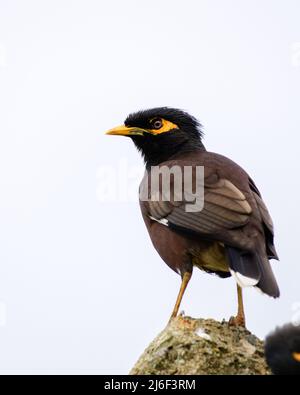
{"x":282,"y":350}
{"x":233,"y":232}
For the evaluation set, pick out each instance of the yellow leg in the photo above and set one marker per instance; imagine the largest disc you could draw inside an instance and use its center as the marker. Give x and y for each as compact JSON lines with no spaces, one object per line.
{"x":239,"y":320}
{"x":185,"y":280}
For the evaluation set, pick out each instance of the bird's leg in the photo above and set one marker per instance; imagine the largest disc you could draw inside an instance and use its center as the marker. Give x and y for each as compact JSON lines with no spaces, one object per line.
{"x":185,"y":280}
{"x":239,"y":320}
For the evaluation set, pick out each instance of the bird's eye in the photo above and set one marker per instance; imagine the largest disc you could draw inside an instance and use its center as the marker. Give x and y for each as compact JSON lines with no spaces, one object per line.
{"x":156,"y":123}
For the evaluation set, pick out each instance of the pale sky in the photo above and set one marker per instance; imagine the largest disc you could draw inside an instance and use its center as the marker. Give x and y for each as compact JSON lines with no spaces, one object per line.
{"x":82,"y":290}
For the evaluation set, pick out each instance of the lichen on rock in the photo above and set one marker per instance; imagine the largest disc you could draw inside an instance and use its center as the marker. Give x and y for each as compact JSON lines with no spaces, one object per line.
{"x":204,"y":347}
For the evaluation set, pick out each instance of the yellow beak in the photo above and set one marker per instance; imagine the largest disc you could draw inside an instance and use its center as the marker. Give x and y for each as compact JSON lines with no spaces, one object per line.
{"x":126,"y":131}
{"x":296,"y":356}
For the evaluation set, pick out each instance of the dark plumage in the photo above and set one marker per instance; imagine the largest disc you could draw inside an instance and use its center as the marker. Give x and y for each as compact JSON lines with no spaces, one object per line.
{"x":282,"y":350}
{"x":233,"y":233}
{"x":158,"y":148}
{"x":187,"y":122}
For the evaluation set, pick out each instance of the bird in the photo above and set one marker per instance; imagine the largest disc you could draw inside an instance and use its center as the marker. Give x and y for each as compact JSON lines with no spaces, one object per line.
{"x":282,"y":350}
{"x":232,"y":234}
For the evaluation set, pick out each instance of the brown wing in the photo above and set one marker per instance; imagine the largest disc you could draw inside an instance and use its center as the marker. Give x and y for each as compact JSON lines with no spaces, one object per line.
{"x":225,"y":208}
{"x":227,"y":217}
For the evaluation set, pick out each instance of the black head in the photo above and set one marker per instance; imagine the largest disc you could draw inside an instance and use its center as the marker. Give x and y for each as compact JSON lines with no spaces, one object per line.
{"x":161,"y":133}
{"x":282,"y":350}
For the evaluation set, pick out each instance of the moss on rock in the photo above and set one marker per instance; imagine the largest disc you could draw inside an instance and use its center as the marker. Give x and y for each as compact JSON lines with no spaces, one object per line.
{"x":197,"y":346}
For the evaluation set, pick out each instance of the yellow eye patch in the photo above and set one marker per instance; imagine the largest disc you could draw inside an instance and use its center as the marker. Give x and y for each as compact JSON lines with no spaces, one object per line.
{"x":124,"y":130}
{"x":296,"y":356}
{"x":166,"y":127}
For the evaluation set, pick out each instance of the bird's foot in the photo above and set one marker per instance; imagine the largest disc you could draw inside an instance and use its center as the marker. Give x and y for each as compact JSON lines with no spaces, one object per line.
{"x":175,"y":315}
{"x":239,"y":320}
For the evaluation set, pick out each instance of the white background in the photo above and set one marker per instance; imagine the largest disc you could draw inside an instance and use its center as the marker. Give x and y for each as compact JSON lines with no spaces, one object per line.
{"x":81,"y":288}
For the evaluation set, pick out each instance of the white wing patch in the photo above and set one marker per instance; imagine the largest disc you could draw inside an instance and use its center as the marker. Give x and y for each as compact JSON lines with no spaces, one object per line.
{"x":242,"y":280}
{"x":162,"y":221}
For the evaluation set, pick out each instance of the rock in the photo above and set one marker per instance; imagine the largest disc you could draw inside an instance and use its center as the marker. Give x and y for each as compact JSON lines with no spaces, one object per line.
{"x":197,"y":346}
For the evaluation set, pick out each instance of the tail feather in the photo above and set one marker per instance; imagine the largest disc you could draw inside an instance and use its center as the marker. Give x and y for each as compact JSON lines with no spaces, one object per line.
{"x":267,"y":282}
{"x":252,"y":269}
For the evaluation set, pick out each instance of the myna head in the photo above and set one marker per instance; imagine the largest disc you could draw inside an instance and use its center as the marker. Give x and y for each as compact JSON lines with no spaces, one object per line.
{"x":160,"y":133}
{"x":282,"y":350}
